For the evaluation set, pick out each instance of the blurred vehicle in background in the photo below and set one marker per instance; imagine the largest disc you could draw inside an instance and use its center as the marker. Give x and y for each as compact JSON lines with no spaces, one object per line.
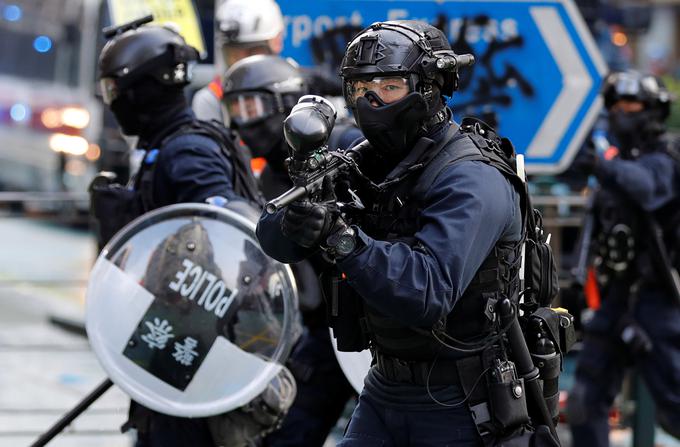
{"x":54,"y":133}
{"x":50,"y":119}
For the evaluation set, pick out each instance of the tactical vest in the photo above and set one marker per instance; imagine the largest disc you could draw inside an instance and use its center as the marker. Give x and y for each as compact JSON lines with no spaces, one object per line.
{"x":623,"y":236}
{"x":395,"y":215}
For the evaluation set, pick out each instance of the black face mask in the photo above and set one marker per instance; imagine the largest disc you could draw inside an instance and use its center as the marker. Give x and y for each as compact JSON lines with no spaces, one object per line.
{"x":145,"y":107}
{"x":264,"y":138}
{"x":127,"y":116}
{"x":634,"y":130}
{"x":392,"y":128}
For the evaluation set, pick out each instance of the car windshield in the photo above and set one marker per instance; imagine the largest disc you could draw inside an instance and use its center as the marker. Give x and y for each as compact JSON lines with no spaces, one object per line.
{"x":40,"y":40}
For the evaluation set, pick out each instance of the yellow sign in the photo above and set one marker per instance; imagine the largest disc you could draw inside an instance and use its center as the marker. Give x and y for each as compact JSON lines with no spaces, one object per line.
{"x":178,"y":12}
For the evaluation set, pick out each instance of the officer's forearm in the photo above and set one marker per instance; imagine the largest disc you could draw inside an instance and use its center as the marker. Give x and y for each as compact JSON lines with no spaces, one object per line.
{"x":632,"y":178}
{"x":400,"y":282}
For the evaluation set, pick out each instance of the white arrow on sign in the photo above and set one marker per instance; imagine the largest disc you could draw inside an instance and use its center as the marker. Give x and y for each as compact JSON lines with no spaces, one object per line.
{"x":577,"y":84}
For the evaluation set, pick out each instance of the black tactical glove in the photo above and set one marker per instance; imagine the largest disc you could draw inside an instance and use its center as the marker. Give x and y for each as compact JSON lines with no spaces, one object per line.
{"x":308,"y":224}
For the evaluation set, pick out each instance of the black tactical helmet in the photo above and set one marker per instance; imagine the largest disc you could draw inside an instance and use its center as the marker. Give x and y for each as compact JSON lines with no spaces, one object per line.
{"x":394,"y":77}
{"x":634,"y":86}
{"x":411,"y":49}
{"x":270,"y":84}
{"x":134,"y":53}
{"x":259,"y":91}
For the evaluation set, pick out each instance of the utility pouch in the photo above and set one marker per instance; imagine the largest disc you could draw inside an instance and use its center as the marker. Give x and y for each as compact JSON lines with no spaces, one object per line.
{"x":540,"y":270}
{"x":113,"y":206}
{"x":345,"y":313}
{"x":550,"y":335}
{"x":507,"y":397}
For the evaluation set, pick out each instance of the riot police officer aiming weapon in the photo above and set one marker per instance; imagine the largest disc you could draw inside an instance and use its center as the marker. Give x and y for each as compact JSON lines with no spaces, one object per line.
{"x":534,"y":369}
{"x":508,"y":374}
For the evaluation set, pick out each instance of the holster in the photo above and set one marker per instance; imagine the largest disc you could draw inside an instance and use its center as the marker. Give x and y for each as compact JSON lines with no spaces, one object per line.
{"x":345,"y":313}
{"x":112,"y":207}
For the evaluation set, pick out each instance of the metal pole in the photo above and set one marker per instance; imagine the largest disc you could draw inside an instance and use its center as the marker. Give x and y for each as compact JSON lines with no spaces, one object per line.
{"x":72,"y":414}
{"x":644,"y":416}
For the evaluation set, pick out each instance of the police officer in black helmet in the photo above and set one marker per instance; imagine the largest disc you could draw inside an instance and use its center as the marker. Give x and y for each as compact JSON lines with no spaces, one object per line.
{"x":637,"y":215}
{"x":259,"y":92}
{"x":410,"y":269}
{"x":143,"y":72}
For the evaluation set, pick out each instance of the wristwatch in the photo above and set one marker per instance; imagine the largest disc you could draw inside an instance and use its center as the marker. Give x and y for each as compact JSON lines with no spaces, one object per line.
{"x":342,"y":242}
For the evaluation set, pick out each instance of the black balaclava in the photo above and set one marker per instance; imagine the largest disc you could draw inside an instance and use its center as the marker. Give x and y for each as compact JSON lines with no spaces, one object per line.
{"x":264,"y":137}
{"x":145,"y":107}
{"x":635,"y":130}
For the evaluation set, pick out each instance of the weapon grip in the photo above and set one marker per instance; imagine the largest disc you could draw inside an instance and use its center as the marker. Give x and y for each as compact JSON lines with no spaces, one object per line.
{"x":285,"y":199}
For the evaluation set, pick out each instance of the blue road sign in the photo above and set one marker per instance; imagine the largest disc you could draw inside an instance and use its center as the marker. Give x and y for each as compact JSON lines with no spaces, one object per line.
{"x":537,"y":75}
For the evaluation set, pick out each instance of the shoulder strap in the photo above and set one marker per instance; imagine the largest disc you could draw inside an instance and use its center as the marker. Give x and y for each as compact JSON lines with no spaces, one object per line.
{"x":458,"y":148}
{"x":476,"y":141}
{"x":144,"y":180}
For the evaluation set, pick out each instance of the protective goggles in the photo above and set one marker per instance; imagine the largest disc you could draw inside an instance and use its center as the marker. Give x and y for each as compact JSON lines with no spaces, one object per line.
{"x":249,"y":107}
{"x":109,"y":90}
{"x":389,"y":89}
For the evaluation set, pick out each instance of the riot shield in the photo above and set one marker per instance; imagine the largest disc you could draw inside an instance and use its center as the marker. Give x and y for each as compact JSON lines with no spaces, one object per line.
{"x":187,"y":315}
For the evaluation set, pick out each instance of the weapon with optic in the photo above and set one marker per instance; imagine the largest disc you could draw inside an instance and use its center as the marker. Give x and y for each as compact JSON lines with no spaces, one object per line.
{"x":307,"y":130}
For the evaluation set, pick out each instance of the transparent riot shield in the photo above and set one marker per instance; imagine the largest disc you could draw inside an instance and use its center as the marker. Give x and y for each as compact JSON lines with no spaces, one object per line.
{"x":187,"y":314}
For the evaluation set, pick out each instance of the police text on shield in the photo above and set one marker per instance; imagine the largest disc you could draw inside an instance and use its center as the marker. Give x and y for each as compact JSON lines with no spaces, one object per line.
{"x":214,"y":297}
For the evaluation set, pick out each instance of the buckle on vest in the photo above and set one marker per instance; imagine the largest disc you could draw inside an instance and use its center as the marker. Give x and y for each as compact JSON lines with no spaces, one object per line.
{"x":490,"y":306}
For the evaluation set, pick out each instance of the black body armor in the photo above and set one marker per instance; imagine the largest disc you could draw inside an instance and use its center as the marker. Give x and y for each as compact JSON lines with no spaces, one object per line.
{"x":393,"y":214}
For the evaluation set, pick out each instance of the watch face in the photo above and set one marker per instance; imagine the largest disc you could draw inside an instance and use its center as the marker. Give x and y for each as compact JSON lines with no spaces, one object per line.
{"x":345,"y":245}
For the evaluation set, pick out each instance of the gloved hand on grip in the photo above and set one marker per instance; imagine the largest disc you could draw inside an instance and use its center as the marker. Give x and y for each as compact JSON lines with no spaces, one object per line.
{"x":308,"y":224}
